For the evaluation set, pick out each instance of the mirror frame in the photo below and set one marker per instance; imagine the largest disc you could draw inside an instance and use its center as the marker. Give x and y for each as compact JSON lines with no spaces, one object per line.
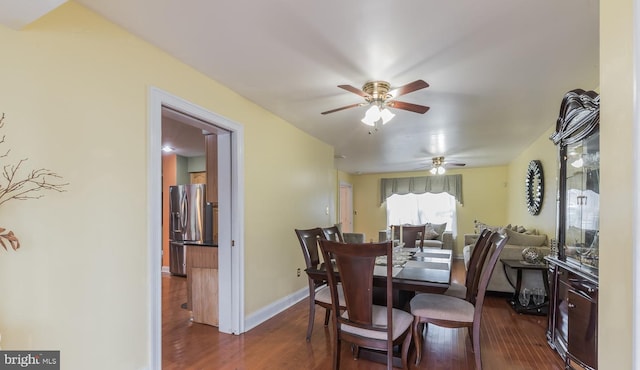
{"x":534,"y":187}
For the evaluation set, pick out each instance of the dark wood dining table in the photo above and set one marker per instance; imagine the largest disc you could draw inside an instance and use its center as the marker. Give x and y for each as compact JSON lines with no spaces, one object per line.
{"x":426,"y":271}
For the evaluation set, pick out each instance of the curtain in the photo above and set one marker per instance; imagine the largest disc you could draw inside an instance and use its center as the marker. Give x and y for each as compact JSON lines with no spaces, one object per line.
{"x":451,"y":184}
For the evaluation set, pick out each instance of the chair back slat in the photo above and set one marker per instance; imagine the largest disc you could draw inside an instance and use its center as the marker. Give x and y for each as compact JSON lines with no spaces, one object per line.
{"x":333,"y":233}
{"x":476,"y":263}
{"x":354,"y":266}
{"x":308,"y":239}
{"x":496,"y":244}
{"x":357,"y":285}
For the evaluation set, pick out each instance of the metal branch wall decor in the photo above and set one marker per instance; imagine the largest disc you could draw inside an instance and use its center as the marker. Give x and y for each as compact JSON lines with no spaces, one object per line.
{"x":19,"y":184}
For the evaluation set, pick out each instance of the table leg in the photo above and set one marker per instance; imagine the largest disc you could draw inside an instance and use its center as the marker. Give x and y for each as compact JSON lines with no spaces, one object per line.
{"x":516,"y":288}
{"x":545,"y":281}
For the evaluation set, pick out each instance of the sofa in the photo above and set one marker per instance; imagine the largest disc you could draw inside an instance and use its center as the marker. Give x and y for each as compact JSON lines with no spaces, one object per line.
{"x":518,"y":241}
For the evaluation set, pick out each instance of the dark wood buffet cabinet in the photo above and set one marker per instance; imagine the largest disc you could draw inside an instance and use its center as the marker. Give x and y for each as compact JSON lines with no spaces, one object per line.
{"x":573,"y":266}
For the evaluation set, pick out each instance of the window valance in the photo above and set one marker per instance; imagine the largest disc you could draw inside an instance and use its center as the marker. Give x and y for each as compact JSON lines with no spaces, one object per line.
{"x":451,"y":184}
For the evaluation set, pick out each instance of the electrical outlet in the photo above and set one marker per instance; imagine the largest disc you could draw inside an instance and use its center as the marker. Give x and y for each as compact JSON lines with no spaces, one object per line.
{"x":298,"y":272}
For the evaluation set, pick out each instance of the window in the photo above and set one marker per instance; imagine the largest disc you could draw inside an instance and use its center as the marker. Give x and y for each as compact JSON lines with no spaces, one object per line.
{"x":418,"y":209}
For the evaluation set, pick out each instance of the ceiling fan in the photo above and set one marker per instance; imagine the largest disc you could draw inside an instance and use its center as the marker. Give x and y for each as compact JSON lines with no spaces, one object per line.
{"x":379,"y":95}
{"x":439,"y":164}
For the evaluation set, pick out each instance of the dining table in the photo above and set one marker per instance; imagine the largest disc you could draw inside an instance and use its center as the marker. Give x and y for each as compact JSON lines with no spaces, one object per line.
{"x":415,"y":270}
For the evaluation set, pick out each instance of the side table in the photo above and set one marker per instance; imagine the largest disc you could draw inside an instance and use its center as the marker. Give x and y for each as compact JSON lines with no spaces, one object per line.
{"x":519,"y":266}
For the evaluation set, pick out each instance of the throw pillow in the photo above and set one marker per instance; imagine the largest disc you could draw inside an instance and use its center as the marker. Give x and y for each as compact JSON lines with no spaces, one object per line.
{"x":430,"y":234}
{"x":479,"y":226}
{"x":439,"y":228}
{"x":516,"y":238}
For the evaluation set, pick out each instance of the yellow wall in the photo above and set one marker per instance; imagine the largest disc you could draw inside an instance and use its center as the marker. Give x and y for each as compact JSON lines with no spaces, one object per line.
{"x":546,"y":152}
{"x":75,"y":92}
{"x":618,"y":193}
{"x":74,"y":88}
{"x":484,"y":191}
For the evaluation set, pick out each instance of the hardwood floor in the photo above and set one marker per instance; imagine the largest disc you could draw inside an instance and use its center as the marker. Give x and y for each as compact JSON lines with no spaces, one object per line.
{"x":509,"y":340}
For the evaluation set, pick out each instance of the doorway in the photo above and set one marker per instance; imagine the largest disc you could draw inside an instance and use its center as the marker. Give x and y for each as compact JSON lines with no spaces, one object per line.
{"x":230,"y":213}
{"x":346,"y":207}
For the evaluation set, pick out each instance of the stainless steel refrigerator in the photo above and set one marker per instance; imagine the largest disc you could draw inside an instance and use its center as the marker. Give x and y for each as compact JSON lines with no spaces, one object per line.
{"x":191,"y":221}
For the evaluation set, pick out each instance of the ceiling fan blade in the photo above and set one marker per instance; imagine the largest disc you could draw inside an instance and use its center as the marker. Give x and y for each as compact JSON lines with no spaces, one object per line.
{"x":410,"y":87}
{"x":354,"y":90}
{"x":454,"y":164}
{"x":342,"y":108}
{"x":408,"y":106}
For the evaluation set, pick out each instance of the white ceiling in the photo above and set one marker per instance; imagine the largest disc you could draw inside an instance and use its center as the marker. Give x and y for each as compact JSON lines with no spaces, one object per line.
{"x":18,"y":13}
{"x":498,"y":69}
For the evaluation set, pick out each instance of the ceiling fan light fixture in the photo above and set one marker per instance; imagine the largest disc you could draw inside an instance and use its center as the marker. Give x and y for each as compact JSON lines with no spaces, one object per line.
{"x":437,"y":170}
{"x":371,"y":116}
{"x":374,"y":114}
{"x":386,"y":115}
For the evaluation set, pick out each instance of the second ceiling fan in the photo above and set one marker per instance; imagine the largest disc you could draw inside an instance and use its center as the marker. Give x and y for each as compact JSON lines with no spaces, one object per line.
{"x":439,"y":164}
{"x":380,"y":96}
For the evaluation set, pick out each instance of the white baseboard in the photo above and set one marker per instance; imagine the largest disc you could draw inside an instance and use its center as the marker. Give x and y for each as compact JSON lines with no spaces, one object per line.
{"x":267,"y":312}
{"x":165,"y":269}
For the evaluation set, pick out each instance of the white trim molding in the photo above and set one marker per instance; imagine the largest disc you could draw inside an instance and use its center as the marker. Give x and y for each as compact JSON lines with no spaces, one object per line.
{"x":269,"y":311}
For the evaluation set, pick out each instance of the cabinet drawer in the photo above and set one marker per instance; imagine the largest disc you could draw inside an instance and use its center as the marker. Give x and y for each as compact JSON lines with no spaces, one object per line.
{"x":580,"y":285}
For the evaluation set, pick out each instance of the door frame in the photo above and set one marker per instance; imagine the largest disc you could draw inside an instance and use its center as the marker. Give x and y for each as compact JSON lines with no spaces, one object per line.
{"x":231,"y":216}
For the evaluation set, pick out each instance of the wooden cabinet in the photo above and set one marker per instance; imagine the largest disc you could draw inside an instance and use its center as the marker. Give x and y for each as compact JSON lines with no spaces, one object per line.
{"x":198,"y":177}
{"x":573,"y":270}
{"x":573,"y":321}
{"x":202,"y":283}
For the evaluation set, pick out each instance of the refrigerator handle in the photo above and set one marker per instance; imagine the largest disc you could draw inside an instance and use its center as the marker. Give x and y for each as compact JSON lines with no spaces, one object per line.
{"x":183,"y":211}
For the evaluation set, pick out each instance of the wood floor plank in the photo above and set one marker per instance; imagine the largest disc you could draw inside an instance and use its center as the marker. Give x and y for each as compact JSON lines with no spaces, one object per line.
{"x":509,"y":340}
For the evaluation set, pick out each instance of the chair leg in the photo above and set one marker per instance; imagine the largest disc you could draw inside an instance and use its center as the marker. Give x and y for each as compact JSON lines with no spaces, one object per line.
{"x":336,"y":352}
{"x":405,"y":349}
{"x":417,"y":335}
{"x":312,"y":315}
{"x":327,"y":315}
{"x":476,"y":344}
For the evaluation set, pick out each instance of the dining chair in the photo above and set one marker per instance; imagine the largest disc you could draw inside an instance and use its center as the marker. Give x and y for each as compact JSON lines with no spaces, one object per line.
{"x":412,"y":235}
{"x":364,"y":324}
{"x":333,"y":233}
{"x":319,"y":293}
{"x":476,"y":261}
{"x":451,"y":312}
